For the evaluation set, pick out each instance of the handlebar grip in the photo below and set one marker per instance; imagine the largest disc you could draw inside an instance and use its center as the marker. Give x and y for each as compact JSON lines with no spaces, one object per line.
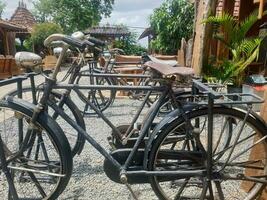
{"x":96,"y":41}
{"x":74,"y":42}
{"x":88,"y":43}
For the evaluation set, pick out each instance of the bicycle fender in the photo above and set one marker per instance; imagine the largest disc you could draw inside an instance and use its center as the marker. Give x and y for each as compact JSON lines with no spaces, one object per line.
{"x":160,"y":126}
{"x":27,"y":107}
{"x":252,"y":114}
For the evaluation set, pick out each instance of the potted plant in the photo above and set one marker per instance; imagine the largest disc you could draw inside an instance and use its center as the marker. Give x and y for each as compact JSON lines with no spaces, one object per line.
{"x":242,"y":50}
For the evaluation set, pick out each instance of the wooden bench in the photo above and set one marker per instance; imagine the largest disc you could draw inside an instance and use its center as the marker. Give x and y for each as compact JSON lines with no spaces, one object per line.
{"x":5,"y":71}
{"x":49,"y":62}
{"x":135,"y":60}
{"x":128,"y":65}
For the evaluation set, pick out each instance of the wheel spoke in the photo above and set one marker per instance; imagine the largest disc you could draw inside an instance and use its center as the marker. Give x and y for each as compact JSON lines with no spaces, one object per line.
{"x":37,"y":184}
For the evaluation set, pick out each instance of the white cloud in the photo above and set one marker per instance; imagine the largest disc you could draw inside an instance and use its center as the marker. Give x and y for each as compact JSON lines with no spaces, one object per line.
{"x":130,"y":5}
{"x":133,"y":13}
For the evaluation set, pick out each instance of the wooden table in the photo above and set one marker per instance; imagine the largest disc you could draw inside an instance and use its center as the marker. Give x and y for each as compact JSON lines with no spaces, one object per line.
{"x":128,"y":70}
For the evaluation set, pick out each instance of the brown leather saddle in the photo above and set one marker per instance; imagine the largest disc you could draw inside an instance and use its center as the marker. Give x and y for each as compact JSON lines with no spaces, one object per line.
{"x":167,"y":70}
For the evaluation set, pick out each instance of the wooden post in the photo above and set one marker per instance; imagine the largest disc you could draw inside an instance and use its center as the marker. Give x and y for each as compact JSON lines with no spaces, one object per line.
{"x":222,"y":50}
{"x":203,"y":34}
{"x":261,"y":7}
{"x":207,"y":36}
{"x":258,"y":151}
{"x":198,"y":32}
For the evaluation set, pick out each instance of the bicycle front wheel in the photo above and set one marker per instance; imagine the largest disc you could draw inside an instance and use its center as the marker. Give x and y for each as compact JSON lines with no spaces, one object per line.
{"x":37,"y":157}
{"x":239,"y":169}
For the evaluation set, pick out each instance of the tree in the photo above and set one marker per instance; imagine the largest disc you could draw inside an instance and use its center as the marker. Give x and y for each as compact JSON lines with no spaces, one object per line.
{"x":171,"y":22}
{"x":72,"y":15}
{"x":129,"y":45}
{"x":40,"y":32}
{"x":2,"y":7}
{"x":42,"y":10}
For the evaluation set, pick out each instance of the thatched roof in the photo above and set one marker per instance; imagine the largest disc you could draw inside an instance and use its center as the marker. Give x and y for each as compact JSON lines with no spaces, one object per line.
{"x":108,"y":31}
{"x":22,"y":16}
{"x":10,"y":27}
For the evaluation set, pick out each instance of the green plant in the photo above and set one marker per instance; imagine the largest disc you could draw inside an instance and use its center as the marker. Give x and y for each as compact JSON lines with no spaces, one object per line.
{"x":171,"y":22}
{"x":130,"y":46}
{"x":243,"y":50}
{"x":40,"y":32}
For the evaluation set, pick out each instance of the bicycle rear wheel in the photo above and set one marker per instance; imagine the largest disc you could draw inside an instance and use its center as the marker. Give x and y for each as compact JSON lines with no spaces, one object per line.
{"x":238,"y":174}
{"x":75,"y":139}
{"x":43,"y":168}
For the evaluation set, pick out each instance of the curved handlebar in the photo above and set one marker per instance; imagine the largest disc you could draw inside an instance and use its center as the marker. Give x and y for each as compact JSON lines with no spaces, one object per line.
{"x":67,"y":39}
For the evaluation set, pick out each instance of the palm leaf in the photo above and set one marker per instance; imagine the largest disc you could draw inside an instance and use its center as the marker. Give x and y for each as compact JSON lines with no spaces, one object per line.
{"x":247,"y":47}
{"x":225,"y":23}
{"x":240,"y":30}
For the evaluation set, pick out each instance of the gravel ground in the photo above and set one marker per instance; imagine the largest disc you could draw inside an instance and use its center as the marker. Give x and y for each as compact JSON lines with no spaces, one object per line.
{"x":89,"y":180}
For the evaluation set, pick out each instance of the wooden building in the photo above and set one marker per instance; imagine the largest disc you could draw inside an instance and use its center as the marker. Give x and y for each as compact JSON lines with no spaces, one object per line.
{"x":7,"y":37}
{"x":204,"y":45}
{"x":23,"y":17}
{"x":8,"y":48}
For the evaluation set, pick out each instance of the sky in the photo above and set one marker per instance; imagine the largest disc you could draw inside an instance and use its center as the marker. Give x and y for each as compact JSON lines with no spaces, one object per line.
{"x":133,"y":13}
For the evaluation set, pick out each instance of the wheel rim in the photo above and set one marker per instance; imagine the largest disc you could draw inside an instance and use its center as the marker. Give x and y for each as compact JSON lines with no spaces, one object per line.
{"x":191,"y":188}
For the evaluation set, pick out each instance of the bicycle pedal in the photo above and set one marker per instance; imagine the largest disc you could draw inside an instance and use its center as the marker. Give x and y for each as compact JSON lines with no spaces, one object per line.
{"x":111,"y":144}
{"x":134,"y":194}
{"x":196,"y":131}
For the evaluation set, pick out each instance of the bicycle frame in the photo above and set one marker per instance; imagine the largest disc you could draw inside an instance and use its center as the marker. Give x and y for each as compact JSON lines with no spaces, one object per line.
{"x":143,"y":131}
{"x":51,"y":84}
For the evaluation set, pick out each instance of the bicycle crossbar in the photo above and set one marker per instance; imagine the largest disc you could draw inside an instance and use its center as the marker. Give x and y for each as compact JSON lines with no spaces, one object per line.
{"x":126,"y":63}
{"x":12,"y":80}
{"x":116,"y":75}
{"x":110,"y":87}
{"x":182,"y":173}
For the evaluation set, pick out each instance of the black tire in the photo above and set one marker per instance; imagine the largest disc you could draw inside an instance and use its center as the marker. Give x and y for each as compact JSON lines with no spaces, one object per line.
{"x":102,"y":99}
{"x":51,"y":143}
{"x":191,"y":187}
{"x":75,"y":139}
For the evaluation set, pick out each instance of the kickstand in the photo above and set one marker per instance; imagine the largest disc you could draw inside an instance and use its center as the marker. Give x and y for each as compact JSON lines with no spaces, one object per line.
{"x":131,"y":191}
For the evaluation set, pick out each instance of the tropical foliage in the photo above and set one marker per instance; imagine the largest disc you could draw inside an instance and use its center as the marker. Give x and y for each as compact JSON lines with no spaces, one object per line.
{"x":243,"y":50}
{"x":72,"y":15}
{"x":171,"y":22}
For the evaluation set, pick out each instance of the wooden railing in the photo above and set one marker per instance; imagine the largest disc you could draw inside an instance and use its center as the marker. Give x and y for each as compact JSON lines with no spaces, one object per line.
{"x":8,"y":67}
